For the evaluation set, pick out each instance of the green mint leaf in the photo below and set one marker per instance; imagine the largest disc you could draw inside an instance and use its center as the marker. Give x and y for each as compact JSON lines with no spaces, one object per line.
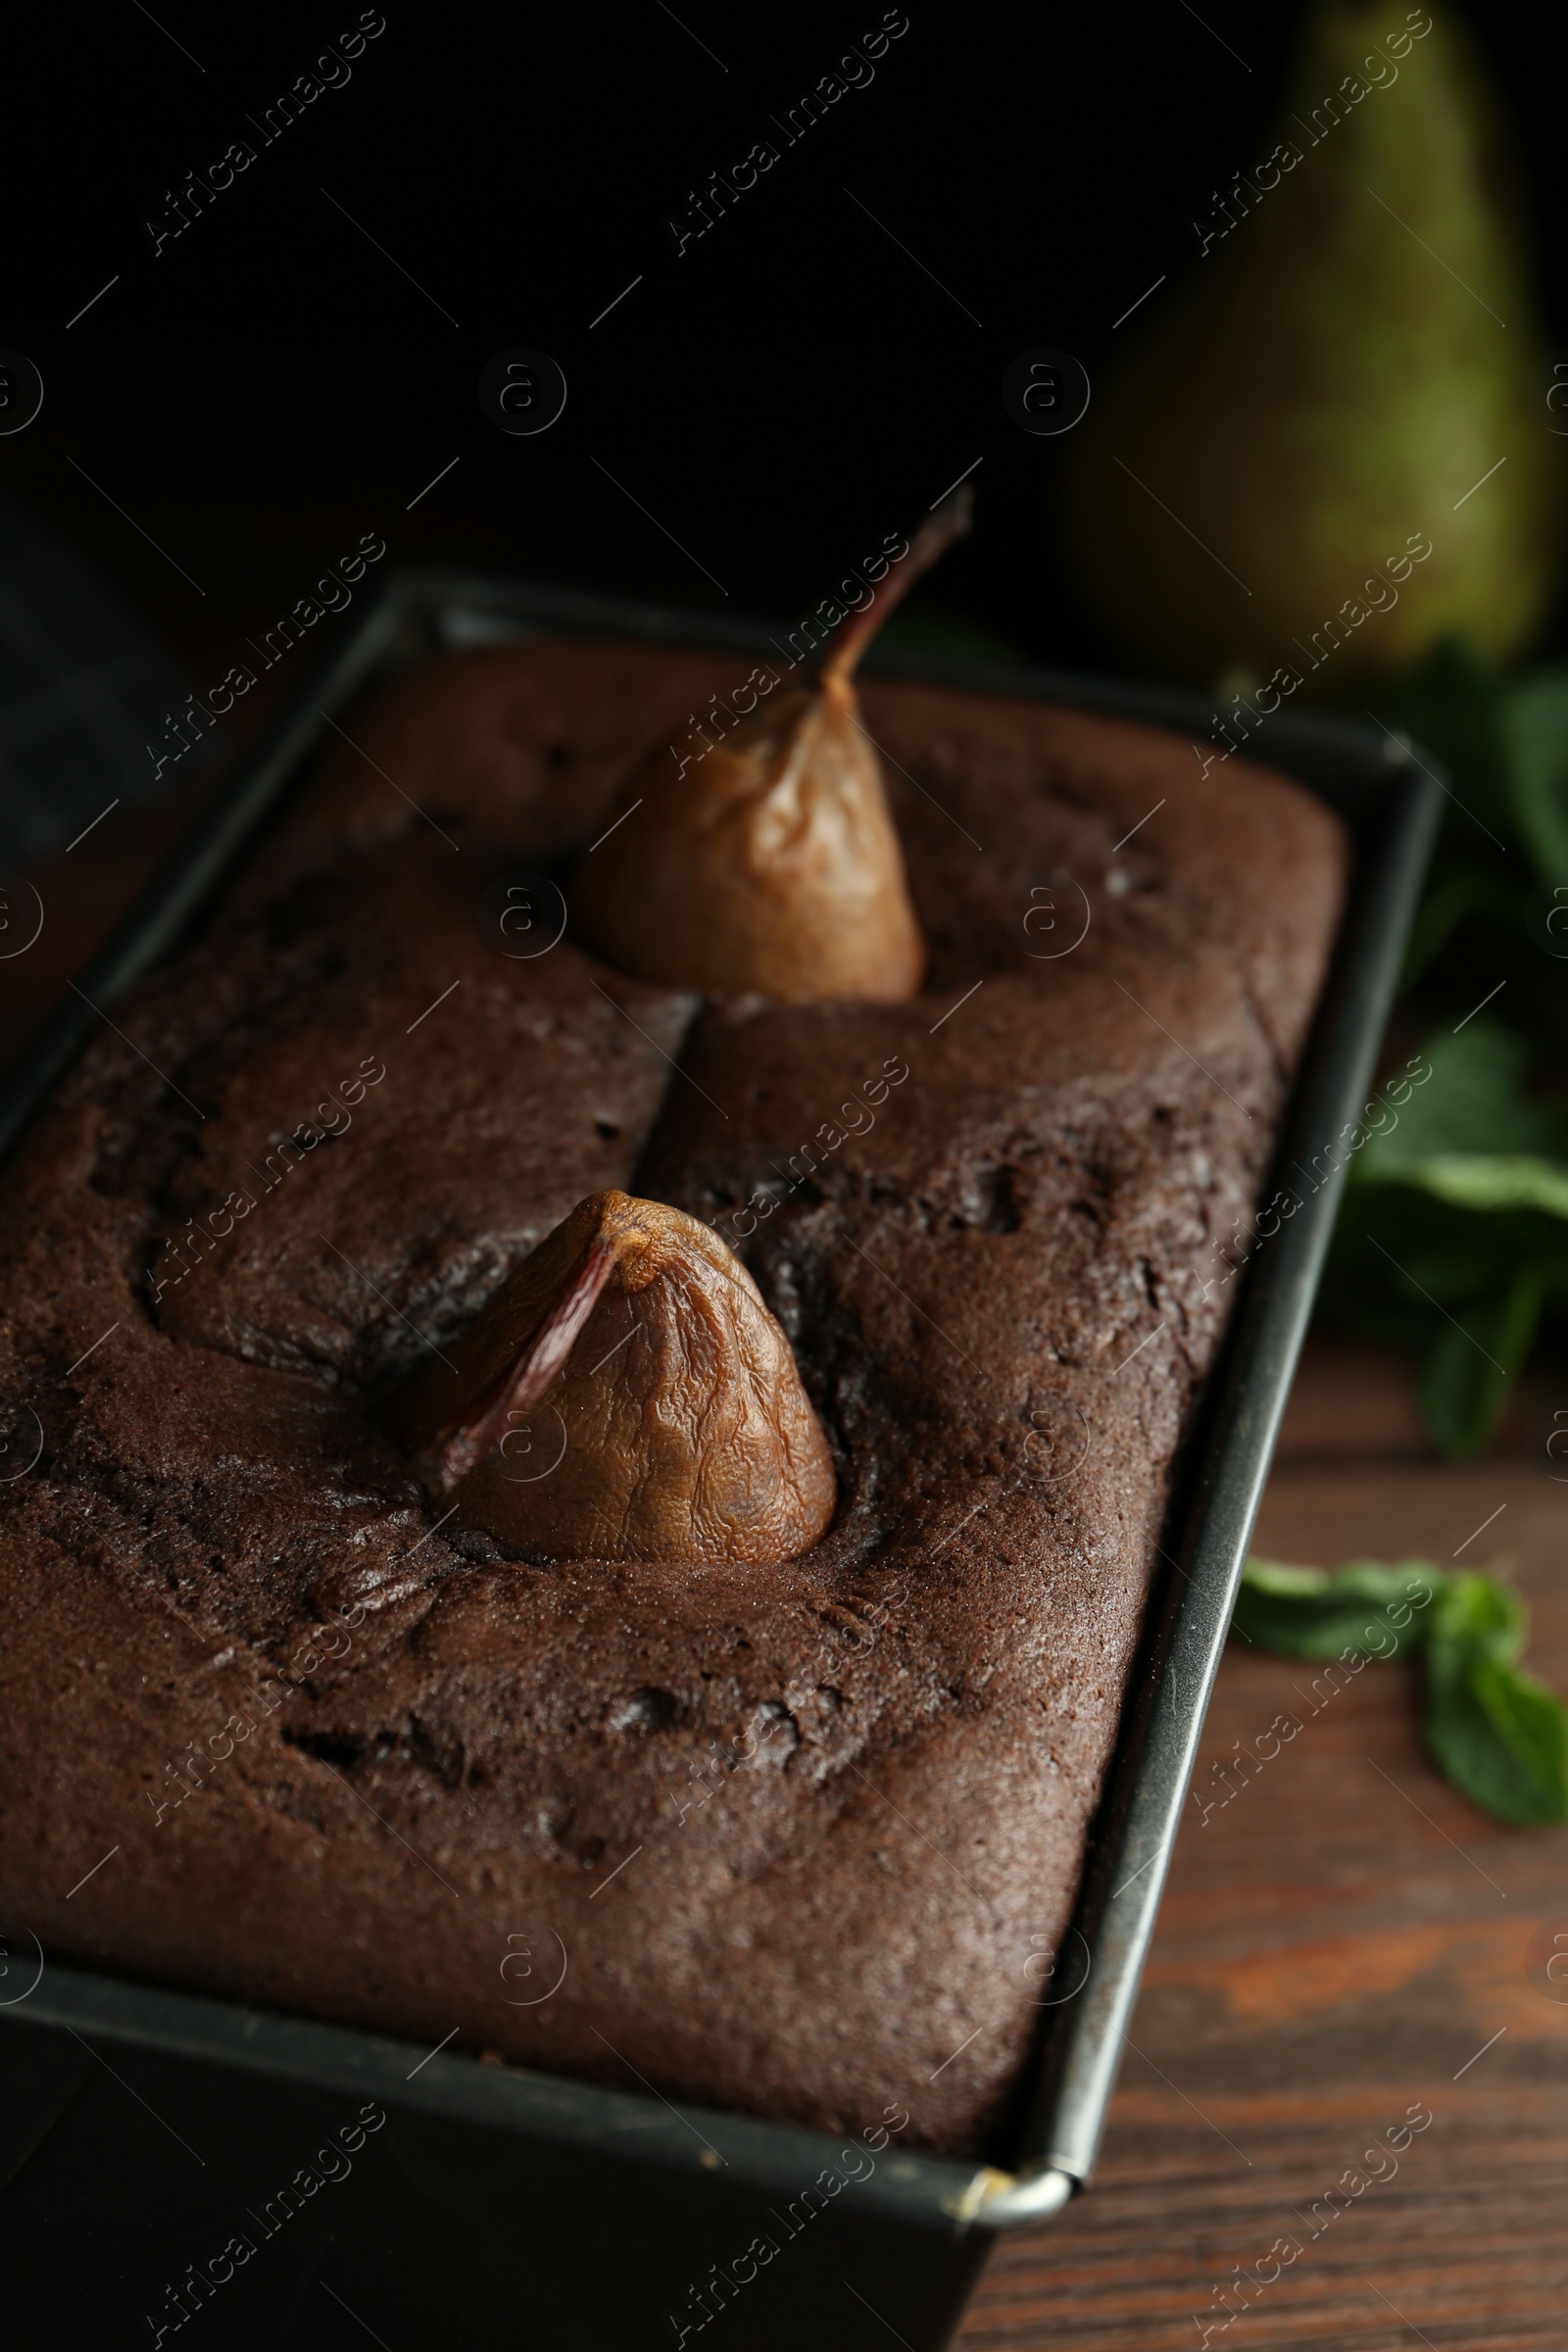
{"x":1475,"y":1618}
{"x":1474,"y":1103}
{"x":1497,"y":1732}
{"x":1465,"y":1381}
{"x":1365,"y":1607}
{"x":1492,"y":1180}
{"x":1502,"y":1737}
{"x":1535,"y":736}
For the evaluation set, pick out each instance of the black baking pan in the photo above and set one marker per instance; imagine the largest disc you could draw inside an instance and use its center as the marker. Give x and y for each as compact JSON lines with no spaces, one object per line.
{"x":162,"y":2152}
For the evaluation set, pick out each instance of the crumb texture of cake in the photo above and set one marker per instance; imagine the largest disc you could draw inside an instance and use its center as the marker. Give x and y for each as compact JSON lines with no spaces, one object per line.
{"x":783,"y":1836}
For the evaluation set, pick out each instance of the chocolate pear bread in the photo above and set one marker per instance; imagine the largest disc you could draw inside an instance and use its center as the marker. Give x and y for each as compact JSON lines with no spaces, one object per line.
{"x":298,"y":1661}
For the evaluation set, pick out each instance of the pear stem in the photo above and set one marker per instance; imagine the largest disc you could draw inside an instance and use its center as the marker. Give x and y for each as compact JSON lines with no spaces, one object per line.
{"x":849,"y":641}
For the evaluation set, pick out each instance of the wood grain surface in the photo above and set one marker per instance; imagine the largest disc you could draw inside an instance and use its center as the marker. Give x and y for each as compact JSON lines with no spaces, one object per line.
{"x":1344,"y":1939}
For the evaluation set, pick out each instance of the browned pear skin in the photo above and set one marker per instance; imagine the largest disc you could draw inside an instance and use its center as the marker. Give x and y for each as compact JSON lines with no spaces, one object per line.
{"x":770,"y":866}
{"x":625,"y":1395}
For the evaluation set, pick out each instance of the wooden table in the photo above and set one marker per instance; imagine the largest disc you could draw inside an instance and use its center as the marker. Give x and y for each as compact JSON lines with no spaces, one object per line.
{"x":1342,"y":1940}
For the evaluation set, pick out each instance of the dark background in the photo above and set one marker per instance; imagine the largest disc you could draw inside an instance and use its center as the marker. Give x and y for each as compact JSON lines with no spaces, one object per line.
{"x":782,"y":396}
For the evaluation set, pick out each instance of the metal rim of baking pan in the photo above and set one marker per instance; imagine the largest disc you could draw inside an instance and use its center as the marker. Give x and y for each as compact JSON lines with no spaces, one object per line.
{"x":1392,"y":798}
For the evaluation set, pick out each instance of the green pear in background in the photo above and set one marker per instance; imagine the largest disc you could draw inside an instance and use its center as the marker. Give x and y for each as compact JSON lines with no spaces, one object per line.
{"x":1351,"y":353}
